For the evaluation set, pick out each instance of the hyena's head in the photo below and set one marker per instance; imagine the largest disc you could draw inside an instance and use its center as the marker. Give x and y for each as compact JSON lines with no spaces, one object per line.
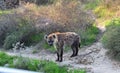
{"x":51,"y":39}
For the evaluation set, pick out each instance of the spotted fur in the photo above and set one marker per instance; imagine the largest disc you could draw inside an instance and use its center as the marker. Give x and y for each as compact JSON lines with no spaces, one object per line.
{"x":59,"y":40}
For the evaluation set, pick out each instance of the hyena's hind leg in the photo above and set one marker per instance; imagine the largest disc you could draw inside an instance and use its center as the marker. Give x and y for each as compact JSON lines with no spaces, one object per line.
{"x":75,"y":48}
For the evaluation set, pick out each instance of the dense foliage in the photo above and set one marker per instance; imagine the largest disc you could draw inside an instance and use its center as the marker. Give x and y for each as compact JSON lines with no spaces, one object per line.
{"x":111,"y":38}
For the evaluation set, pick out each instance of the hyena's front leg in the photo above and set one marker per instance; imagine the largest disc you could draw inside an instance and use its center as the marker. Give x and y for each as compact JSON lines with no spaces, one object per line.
{"x":60,"y":54}
{"x":57,"y":56}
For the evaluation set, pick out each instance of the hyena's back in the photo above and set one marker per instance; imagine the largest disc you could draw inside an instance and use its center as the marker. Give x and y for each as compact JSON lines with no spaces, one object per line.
{"x":69,"y":37}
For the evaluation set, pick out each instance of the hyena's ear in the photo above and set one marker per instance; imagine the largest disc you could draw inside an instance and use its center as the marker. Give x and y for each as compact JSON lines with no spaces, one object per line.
{"x":54,"y":36}
{"x":45,"y":37}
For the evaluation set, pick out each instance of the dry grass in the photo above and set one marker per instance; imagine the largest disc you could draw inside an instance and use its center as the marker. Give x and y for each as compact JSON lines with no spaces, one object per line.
{"x":107,"y":10}
{"x":66,"y":13}
{"x":112,"y":4}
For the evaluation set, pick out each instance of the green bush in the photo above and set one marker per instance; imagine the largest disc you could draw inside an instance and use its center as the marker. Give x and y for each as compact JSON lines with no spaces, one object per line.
{"x":39,"y":2}
{"x":102,"y":11}
{"x":22,"y":34}
{"x":5,"y":59}
{"x":11,"y":39}
{"x":51,"y":67}
{"x":111,"y":38}
{"x":2,"y":12}
{"x":44,"y":2}
{"x":92,"y":4}
{"x":89,"y":35}
{"x":77,"y":71}
{"x":26,"y":63}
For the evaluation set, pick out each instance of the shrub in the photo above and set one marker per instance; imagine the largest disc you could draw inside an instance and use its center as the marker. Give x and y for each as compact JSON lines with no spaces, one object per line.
{"x":44,"y":2}
{"x":102,"y":11}
{"x":89,"y":35}
{"x":111,"y":38}
{"x":77,"y":71}
{"x":34,"y":38}
{"x":39,"y":2}
{"x":92,"y":4}
{"x":107,"y":9}
{"x":5,"y":59}
{"x":110,"y":4}
{"x":11,"y":39}
{"x":64,"y":13}
{"x":22,"y":34}
{"x":26,"y":63}
{"x":2,"y":12}
{"x":8,"y":23}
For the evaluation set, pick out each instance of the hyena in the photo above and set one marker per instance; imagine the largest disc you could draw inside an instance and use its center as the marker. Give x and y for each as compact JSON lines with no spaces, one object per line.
{"x":59,"y":40}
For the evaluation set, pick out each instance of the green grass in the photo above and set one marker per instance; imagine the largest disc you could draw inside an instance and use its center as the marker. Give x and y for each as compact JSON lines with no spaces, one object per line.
{"x":112,"y":28}
{"x":103,"y":12}
{"x":46,"y":46}
{"x":5,"y":12}
{"x":35,"y":38}
{"x":34,"y":65}
{"x":111,"y":38}
{"x":5,"y":59}
{"x":89,"y":35}
{"x":77,"y":71}
{"x":92,"y":4}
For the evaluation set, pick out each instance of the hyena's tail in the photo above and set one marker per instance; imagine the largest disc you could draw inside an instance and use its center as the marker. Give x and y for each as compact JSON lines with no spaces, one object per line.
{"x":79,"y":44}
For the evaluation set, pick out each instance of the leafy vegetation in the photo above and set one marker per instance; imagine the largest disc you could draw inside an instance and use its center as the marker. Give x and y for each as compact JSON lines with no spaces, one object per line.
{"x":24,"y":31}
{"x":107,"y":10}
{"x":92,"y":4}
{"x":5,"y":12}
{"x":34,"y":65}
{"x":5,"y":59}
{"x":89,"y":35}
{"x":102,"y":11}
{"x":111,"y":38}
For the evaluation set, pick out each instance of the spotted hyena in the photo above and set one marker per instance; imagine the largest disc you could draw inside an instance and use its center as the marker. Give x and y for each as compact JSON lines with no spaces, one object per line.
{"x":59,"y":40}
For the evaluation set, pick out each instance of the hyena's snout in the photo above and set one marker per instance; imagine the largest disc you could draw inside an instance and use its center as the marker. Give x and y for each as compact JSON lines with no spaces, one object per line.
{"x":50,"y":43}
